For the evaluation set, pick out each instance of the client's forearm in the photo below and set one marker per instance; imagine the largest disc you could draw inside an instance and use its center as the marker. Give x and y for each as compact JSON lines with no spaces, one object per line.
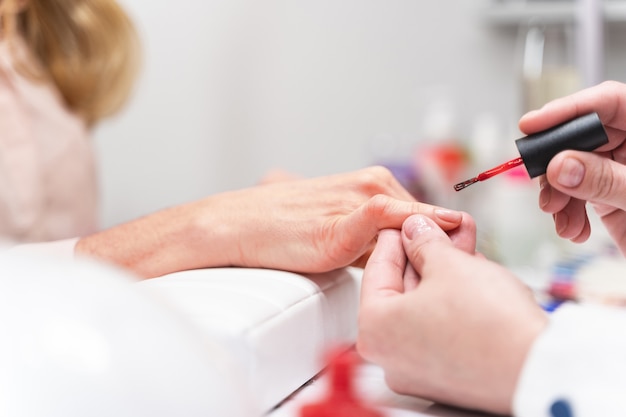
{"x":170,"y":240}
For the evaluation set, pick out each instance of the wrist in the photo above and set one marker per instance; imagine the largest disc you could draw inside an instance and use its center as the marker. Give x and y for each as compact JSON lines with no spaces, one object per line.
{"x":167,"y":241}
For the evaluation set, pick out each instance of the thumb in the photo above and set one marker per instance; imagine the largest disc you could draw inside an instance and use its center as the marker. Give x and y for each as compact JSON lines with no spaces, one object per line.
{"x":425,"y":242}
{"x":589,"y":176}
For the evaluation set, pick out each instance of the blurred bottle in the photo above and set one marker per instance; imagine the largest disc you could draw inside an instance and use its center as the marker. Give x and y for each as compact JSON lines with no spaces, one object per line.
{"x":549,"y":66}
{"x":511,"y":229}
{"x":441,"y":157}
{"x":521,"y":233}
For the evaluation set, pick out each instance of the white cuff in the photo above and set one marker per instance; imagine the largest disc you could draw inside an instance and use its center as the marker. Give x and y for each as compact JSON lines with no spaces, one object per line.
{"x":579,"y":359}
{"x":59,"y":249}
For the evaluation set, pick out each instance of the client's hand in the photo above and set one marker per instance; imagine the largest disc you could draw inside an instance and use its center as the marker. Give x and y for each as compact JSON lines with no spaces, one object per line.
{"x":306,"y":225}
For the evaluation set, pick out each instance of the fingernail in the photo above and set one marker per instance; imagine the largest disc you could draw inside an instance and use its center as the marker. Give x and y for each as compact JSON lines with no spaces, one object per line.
{"x":544,"y":194}
{"x":449,"y":215}
{"x":572,"y":173}
{"x":416,"y":225}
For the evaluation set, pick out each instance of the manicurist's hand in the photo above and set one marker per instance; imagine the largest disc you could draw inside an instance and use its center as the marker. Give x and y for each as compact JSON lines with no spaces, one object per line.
{"x":302,"y":225}
{"x":446,"y":325}
{"x":575,"y":178}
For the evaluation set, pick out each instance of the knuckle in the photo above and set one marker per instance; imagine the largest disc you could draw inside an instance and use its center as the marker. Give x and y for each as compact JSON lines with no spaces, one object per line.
{"x":604,"y":185}
{"x":379,"y":172}
{"x":378,"y":204}
{"x":610,"y":85}
{"x":377,"y":177}
{"x":379,"y":201}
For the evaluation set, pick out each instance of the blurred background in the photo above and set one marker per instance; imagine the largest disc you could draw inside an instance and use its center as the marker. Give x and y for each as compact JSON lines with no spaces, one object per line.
{"x":231,"y":89}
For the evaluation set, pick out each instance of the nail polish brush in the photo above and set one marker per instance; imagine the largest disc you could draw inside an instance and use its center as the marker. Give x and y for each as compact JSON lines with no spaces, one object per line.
{"x":584,"y":133}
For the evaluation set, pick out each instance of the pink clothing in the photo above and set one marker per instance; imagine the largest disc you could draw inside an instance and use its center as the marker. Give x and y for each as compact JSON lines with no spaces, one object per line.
{"x":48,"y":185}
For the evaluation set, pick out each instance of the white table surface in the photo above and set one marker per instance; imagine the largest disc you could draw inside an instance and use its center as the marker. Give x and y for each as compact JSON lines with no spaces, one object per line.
{"x":370,"y":384}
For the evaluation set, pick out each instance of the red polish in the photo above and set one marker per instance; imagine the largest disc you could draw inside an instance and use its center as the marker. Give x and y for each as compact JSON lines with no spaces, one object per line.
{"x":490,"y":173}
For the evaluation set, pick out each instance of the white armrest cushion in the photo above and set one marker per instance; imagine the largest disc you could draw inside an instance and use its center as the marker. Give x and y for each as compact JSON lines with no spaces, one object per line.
{"x":277,"y":324}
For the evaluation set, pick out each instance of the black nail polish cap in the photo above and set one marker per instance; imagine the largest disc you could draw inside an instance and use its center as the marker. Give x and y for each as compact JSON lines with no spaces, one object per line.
{"x":585,"y":133}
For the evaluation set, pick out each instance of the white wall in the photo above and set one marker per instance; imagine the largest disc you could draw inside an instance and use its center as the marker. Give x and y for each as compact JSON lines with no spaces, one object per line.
{"x":232,"y":88}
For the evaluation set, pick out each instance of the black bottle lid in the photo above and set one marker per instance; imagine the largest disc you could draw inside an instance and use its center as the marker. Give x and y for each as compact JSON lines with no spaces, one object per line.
{"x":584,"y":133}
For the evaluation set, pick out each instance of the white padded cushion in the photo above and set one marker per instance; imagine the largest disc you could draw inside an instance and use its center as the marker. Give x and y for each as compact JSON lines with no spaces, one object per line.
{"x":277,"y":324}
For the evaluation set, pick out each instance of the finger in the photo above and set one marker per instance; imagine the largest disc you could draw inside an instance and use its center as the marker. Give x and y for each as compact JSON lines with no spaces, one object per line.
{"x":423,"y":240}
{"x":618,"y":154}
{"x":383,"y":274}
{"x":411,"y":277}
{"x":572,"y":222}
{"x":382,"y":212}
{"x":585,"y":232}
{"x":551,"y":200}
{"x":464,"y":236}
{"x":588,"y":176}
{"x":605,"y":99}
{"x":615,"y":223}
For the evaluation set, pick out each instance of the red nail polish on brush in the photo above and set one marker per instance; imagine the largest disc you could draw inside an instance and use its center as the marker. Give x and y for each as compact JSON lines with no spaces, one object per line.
{"x":584,"y":133}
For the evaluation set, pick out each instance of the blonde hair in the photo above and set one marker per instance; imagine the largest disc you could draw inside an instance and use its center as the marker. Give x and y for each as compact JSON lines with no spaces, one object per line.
{"x":88,"y":48}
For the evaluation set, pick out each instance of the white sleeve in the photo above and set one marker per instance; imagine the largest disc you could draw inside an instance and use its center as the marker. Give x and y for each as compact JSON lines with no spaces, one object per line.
{"x":60,"y":249}
{"x":580,"y":360}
